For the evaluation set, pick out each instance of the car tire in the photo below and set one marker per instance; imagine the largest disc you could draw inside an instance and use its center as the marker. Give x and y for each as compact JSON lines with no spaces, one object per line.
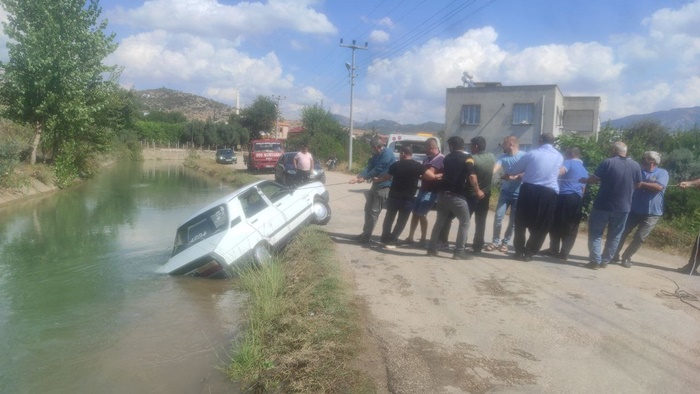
{"x":321,"y":211}
{"x":262,"y":254}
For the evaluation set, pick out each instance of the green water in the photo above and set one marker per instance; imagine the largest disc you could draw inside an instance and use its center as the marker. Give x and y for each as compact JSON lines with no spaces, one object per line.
{"x":81,"y":307}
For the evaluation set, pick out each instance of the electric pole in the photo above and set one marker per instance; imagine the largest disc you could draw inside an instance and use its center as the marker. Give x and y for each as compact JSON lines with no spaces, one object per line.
{"x":277,"y":115}
{"x":351,"y":72}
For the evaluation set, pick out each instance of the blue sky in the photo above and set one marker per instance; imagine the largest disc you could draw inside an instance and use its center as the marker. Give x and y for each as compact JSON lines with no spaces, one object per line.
{"x":639,"y":56}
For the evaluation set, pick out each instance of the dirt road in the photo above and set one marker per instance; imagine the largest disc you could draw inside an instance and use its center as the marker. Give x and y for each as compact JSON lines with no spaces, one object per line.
{"x":494,"y":324}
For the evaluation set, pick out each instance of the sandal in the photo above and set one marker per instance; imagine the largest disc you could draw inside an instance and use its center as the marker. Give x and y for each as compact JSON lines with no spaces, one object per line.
{"x":503,"y":248}
{"x":490,"y":247}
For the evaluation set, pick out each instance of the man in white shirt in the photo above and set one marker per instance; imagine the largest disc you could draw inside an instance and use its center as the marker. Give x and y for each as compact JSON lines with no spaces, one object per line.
{"x":303,"y":163}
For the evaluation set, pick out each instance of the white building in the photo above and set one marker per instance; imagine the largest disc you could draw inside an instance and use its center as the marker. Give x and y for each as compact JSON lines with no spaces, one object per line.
{"x":494,"y":111}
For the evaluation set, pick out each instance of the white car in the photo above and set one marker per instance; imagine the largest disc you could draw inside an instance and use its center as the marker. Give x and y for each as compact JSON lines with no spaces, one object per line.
{"x":244,"y":227}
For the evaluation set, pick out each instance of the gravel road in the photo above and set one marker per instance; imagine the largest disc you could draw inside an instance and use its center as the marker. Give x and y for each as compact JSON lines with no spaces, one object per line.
{"x":495,"y":324}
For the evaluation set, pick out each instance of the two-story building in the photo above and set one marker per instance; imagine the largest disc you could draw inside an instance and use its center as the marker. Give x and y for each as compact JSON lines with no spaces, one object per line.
{"x":494,"y":112}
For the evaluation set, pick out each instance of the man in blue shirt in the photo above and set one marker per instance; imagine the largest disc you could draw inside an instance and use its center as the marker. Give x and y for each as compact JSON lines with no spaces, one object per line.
{"x":618,"y":176}
{"x":377,"y":166}
{"x":647,"y":206}
{"x":569,"y":209}
{"x":538,"y":196}
{"x":508,"y":197}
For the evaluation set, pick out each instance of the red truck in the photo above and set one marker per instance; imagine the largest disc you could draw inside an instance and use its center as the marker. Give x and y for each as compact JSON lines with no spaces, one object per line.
{"x":263,"y":154}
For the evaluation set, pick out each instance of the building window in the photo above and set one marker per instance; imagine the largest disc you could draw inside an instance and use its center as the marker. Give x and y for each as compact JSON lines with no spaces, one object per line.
{"x":471,"y":114}
{"x":523,"y":113}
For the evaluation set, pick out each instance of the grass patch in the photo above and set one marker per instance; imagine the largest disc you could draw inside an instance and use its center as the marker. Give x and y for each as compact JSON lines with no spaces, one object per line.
{"x":302,"y":325}
{"x":224,"y":173}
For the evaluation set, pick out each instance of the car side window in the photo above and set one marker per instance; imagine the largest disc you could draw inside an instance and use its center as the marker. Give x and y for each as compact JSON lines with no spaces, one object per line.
{"x":273,"y":191}
{"x":252,"y":203}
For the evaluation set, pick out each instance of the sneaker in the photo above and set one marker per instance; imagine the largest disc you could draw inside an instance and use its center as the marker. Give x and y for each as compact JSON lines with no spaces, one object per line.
{"x":604,"y":264}
{"x":362,"y":238}
{"x":432,"y":252}
{"x":462,"y":256}
{"x":549,"y":252}
{"x":592,"y":265}
{"x":443,"y":246}
{"x":408,"y":241}
{"x":390,"y":245}
{"x":626,"y":262}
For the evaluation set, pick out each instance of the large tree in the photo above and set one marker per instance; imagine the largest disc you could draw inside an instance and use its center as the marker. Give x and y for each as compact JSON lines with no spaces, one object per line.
{"x":260,"y":117}
{"x":55,"y":80}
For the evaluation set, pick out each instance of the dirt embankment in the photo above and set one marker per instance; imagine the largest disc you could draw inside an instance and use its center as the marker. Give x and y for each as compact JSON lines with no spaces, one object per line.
{"x":37,"y":187}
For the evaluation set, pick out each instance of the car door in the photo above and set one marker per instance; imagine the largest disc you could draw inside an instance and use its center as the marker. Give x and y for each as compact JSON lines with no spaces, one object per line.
{"x":291,"y":203}
{"x":262,"y":216}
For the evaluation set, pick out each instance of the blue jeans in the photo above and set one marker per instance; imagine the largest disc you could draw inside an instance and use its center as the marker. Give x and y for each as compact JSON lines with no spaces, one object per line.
{"x":597,"y":222}
{"x":505,"y":200}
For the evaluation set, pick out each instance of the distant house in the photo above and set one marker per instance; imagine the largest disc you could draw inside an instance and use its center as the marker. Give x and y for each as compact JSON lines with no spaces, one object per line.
{"x":494,"y":111}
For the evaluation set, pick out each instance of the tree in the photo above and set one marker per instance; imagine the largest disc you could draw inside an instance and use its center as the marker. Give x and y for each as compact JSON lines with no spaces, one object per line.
{"x":260,"y":117}
{"x":54,"y":79}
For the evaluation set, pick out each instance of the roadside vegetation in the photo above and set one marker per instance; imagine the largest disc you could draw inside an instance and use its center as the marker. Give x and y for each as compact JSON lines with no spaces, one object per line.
{"x":303,"y":328}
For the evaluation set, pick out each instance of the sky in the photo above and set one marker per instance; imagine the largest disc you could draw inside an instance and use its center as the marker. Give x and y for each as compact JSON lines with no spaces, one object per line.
{"x":639,"y":56}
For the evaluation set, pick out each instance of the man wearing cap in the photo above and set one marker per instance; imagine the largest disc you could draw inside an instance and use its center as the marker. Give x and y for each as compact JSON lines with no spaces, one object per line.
{"x":647,"y":207}
{"x":375,"y":199}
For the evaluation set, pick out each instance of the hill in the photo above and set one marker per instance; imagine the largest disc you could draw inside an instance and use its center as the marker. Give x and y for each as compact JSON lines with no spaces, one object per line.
{"x":384,"y":126}
{"x":192,"y":106}
{"x":673,"y":119}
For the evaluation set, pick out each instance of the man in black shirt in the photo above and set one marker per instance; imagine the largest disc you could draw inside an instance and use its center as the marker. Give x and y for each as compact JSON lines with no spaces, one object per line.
{"x":405,"y":174}
{"x":458,"y":166}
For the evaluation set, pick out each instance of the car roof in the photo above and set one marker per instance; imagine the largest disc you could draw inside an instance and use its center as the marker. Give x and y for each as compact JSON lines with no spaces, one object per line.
{"x":225,"y":199}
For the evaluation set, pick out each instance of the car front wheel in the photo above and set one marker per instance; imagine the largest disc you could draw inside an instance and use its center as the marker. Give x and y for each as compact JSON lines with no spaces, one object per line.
{"x":321,"y":211}
{"x":262,"y":254}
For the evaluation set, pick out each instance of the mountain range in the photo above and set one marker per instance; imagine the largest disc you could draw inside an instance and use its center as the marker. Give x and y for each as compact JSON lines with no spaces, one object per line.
{"x":197,"y":107}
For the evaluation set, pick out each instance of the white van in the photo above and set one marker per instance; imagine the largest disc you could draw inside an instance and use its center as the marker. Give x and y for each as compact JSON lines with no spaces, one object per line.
{"x":417,"y":142}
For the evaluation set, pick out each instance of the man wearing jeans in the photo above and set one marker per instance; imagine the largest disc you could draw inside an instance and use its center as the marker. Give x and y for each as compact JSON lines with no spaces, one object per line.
{"x":508,"y":197}
{"x":647,"y":206}
{"x":457,"y":167}
{"x":618,"y":176}
{"x":375,"y":198}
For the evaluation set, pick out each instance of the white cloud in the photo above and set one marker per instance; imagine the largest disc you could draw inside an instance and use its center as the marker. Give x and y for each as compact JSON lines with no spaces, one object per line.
{"x":197,"y":65}
{"x":386,"y":22}
{"x":213,"y":19}
{"x":379,"y":36}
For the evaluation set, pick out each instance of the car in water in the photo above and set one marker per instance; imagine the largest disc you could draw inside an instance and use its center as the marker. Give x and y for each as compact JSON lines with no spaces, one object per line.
{"x":243,"y":228}
{"x":226,"y":156}
{"x":286,"y":174}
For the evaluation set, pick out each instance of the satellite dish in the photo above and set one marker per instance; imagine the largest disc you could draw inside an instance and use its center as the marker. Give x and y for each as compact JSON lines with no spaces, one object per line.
{"x":467,"y":80}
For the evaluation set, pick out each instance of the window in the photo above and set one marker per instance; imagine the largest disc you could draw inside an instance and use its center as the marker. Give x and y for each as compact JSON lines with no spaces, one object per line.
{"x":273,"y":191}
{"x":523,"y":113}
{"x":252,"y":202}
{"x":202,"y":227}
{"x":471,"y":114}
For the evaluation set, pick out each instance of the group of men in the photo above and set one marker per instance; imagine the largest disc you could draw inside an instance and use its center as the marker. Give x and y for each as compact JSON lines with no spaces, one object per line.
{"x":543,"y":190}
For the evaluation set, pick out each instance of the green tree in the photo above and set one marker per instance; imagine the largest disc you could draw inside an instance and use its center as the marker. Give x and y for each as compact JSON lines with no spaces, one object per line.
{"x":643,"y":136}
{"x":260,"y":117}
{"x":54,"y":79}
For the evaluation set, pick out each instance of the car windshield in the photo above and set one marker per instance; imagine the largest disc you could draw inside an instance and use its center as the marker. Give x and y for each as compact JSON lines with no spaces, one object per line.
{"x":224,"y":152}
{"x":267,"y":147}
{"x":201,"y":227}
{"x":417,"y":147}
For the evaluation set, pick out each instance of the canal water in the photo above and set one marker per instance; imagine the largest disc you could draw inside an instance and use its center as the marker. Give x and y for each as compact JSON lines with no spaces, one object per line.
{"x":81,"y":307}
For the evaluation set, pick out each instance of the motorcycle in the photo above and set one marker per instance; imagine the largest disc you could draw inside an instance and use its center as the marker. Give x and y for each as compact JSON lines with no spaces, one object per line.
{"x":332,"y":163}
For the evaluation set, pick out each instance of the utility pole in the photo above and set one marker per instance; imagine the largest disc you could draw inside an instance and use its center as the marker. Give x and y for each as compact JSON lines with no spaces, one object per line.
{"x":351,"y":72}
{"x":277,"y":115}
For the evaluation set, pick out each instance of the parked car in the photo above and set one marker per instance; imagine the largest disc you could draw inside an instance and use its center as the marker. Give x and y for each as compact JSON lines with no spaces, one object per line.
{"x":226,"y":156}
{"x":244,"y":227}
{"x":286,"y":174}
